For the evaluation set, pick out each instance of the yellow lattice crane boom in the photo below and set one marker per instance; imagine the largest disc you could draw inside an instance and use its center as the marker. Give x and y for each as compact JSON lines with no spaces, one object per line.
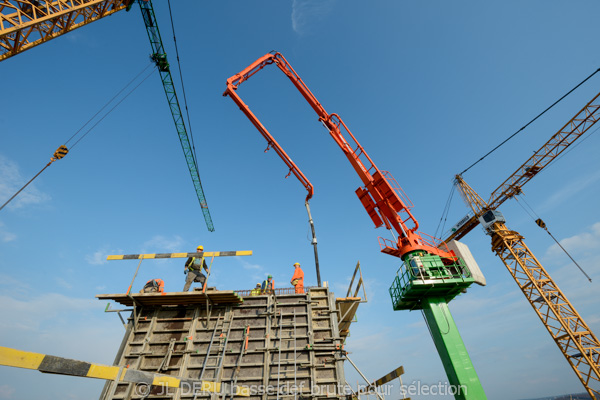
{"x":573,"y":130}
{"x":27,"y":23}
{"x":569,"y":331}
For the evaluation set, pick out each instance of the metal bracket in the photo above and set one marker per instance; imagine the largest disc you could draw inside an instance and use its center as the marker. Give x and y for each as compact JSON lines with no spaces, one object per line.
{"x":108,"y":309}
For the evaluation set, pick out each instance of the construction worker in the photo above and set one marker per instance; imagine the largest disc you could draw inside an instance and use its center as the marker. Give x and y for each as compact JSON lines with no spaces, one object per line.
{"x":268,"y":285}
{"x":154,"y":286}
{"x":298,"y":279}
{"x":256,"y":291}
{"x":193,"y":269}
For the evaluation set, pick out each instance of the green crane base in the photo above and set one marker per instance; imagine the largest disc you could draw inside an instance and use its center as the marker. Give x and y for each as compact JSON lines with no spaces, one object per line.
{"x":452,"y":350}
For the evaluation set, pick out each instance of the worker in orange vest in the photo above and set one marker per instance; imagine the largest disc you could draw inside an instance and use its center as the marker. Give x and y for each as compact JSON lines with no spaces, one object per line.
{"x":298,"y":278}
{"x":154,"y":286}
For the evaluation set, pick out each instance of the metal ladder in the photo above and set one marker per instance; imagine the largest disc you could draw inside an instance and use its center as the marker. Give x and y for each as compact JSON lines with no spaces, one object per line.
{"x":238,"y":363}
{"x":292,"y":331}
{"x":221,"y":331}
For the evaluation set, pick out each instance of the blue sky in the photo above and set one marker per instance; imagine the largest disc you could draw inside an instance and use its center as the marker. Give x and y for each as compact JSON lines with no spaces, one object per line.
{"x":427,"y":88}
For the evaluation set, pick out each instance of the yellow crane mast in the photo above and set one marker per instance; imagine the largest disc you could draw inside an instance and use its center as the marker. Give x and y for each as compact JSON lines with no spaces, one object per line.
{"x":569,"y":331}
{"x":27,"y":23}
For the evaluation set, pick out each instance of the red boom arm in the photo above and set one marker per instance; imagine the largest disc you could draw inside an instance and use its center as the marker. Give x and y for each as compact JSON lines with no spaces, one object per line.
{"x":381,"y":196}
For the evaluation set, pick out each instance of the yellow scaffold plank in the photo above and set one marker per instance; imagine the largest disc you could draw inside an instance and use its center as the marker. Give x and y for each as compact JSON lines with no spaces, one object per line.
{"x":180,"y":255}
{"x":65,"y":366}
{"x":20,"y":359}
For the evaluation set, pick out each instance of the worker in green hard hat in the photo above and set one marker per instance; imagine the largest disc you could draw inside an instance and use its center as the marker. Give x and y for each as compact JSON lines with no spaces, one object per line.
{"x":268,"y":285}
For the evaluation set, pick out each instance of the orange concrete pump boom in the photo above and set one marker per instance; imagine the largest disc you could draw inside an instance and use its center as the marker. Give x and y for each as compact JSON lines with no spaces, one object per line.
{"x":381,"y":195}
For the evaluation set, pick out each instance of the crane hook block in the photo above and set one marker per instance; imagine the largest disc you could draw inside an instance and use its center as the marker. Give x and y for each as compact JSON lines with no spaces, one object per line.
{"x":60,"y":153}
{"x":161,"y":61}
{"x":540,"y":223}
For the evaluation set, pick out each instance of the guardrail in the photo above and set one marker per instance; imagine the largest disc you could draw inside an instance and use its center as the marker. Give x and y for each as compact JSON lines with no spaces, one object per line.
{"x":276,"y":292}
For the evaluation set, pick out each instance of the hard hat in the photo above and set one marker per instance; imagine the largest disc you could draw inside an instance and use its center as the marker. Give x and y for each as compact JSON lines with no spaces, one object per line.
{"x":298,"y":264}
{"x":258,"y":284}
{"x":201,"y":248}
{"x":269,"y":276}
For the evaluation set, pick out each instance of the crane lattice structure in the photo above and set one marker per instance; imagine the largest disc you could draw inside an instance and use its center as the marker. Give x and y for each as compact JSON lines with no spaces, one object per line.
{"x":572,"y":335}
{"x":27,"y":23}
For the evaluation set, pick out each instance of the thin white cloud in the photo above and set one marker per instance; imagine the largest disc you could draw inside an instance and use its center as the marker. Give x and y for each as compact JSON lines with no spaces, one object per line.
{"x":62,"y":283}
{"x":30,"y":313}
{"x":306,"y":12}
{"x":6,"y":392}
{"x":6,"y":236}
{"x":11,"y":181}
{"x":163,"y":244}
{"x":584,"y":243}
{"x":97,"y":258}
{"x":247,"y":265}
{"x":15,"y":287}
{"x":569,"y":191}
{"x":256,"y":272}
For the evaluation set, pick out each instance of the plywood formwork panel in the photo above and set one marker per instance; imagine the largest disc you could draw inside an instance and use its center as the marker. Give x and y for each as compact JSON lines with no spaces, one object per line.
{"x":293,"y":339}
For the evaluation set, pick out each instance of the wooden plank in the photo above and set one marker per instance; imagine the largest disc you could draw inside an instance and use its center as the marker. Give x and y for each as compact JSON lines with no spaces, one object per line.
{"x":174,"y":298}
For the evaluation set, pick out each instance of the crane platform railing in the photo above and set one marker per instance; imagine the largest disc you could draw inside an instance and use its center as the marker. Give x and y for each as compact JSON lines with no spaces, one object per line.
{"x":428,"y":277}
{"x":276,"y":292}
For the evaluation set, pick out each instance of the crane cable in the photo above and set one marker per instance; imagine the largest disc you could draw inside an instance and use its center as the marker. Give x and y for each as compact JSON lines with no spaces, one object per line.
{"x":539,"y":222}
{"x":63,"y":150}
{"x":106,"y":105}
{"x":115,"y":106}
{"x":530,"y":122}
{"x":444,"y":216}
{"x":187,"y":112}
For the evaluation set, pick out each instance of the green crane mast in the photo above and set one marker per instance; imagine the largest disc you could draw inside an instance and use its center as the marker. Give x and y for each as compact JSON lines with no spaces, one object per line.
{"x":159,"y":56}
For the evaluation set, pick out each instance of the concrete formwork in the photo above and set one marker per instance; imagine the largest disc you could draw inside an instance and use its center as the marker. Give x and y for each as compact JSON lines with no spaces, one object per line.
{"x":264,"y":343}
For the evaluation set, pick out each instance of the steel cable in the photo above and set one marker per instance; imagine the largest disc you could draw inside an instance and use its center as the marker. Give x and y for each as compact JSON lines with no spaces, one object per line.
{"x":530,"y":122}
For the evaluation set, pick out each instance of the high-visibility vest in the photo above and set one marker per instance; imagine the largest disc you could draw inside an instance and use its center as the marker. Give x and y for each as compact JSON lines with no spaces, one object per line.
{"x":157,"y":283}
{"x":268,"y":286}
{"x":190,"y":264}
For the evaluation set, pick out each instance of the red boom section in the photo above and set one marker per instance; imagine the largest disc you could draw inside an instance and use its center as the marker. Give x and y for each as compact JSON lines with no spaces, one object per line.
{"x":381,"y":195}
{"x":231,"y":87}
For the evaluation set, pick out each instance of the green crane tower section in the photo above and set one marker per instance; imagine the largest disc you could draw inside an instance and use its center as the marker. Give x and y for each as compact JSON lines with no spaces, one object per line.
{"x":424,"y":282}
{"x":159,"y":56}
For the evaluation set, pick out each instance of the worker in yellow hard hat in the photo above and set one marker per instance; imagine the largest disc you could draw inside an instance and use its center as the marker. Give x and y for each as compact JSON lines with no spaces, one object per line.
{"x":193,"y":269}
{"x":256,"y":291}
{"x":298,"y":278}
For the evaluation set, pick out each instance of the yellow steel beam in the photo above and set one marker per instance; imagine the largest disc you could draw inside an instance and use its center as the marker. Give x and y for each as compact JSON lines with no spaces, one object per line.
{"x":27,"y":23}
{"x":180,"y":255}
